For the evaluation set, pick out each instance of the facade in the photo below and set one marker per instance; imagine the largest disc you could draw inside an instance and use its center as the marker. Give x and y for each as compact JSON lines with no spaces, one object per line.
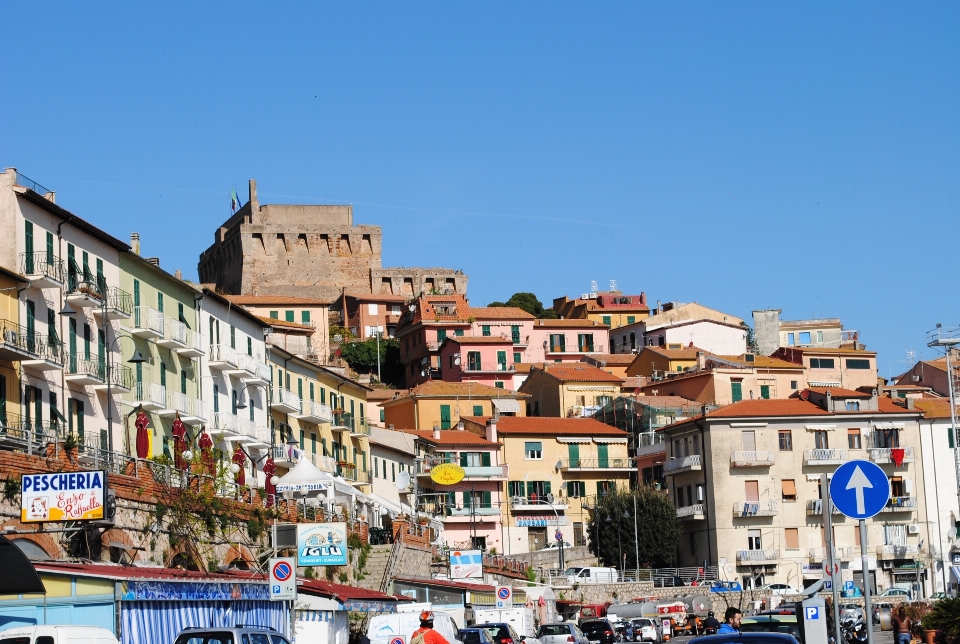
{"x":930,"y":373}
{"x":847,"y":367}
{"x":309,"y":251}
{"x":303,"y":321}
{"x":569,"y":390}
{"x":391,"y":453}
{"x":367,"y":314}
{"x":14,"y":345}
{"x":566,"y":340}
{"x":660,"y":361}
{"x":611,"y":363}
{"x":488,"y":360}
{"x":772,"y":333}
{"x":441,"y":404}
{"x":610,"y":308}
{"x":677,"y":325}
{"x":745,"y":481}
{"x":558,"y":466}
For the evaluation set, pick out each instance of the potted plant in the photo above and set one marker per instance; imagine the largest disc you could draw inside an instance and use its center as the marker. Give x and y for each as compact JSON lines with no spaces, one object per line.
{"x":943,"y":616}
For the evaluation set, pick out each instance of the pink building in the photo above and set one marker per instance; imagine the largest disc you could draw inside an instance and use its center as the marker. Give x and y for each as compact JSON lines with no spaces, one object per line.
{"x":471,"y":509}
{"x":566,"y":340}
{"x":486,"y":359}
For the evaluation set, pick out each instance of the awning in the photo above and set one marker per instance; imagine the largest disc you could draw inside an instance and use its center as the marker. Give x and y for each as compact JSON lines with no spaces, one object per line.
{"x":575,"y":440}
{"x":19,"y":575}
{"x":304,"y":477}
{"x":956,"y":572}
{"x":609,"y":440}
{"x":506,"y":405}
{"x":822,"y":384}
{"x":813,"y":427}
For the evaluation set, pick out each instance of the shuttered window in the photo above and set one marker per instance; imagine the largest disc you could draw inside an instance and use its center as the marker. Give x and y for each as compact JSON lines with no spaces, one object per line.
{"x":791,"y":537}
{"x":789,"y":490}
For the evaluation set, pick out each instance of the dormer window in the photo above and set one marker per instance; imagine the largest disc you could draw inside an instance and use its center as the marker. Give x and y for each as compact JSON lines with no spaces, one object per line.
{"x":853,"y":405}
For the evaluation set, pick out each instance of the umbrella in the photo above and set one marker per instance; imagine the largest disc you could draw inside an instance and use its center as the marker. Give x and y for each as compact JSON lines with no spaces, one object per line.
{"x":240,"y":458}
{"x":269,"y":469}
{"x":179,"y":442}
{"x":206,"y":452}
{"x":143,"y":439}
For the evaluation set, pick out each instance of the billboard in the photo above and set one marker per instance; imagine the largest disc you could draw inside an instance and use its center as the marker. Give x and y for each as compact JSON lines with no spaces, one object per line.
{"x":62,"y":496}
{"x":321,"y":544}
{"x":466,"y":564}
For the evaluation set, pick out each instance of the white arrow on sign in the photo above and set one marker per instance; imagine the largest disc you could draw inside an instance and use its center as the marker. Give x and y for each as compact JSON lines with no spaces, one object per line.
{"x":858,"y":481}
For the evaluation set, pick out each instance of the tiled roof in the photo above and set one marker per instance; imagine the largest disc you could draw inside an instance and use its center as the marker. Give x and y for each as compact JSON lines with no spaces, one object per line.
{"x":384,"y":394}
{"x":793,"y":407}
{"x":839,"y":392}
{"x":341,"y":592}
{"x":266,"y":300}
{"x":634,"y":382}
{"x":540,"y":426}
{"x":449,"y":437}
{"x":277,"y":324}
{"x":445,"y":583}
{"x":525,"y":367}
{"x":500,"y":313}
{"x":934,"y":407}
{"x":684,"y":353}
{"x":579,"y":372}
{"x":762,"y":362}
{"x":613,"y":359}
{"x":465,"y":389}
{"x":561,"y":324}
{"x":480,"y":339}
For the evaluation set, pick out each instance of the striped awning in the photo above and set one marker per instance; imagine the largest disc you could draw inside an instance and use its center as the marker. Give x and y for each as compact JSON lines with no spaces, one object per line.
{"x":507,"y":405}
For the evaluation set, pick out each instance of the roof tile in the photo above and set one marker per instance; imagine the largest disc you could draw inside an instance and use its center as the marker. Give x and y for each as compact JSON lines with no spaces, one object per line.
{"x":541,"y":426}
{"x":579,"y":372}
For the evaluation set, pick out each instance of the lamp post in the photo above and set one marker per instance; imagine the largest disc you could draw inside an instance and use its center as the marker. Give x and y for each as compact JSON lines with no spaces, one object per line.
{"x":549,"y":503}
{"x":619,"y":546}
{"x":100,"y":289}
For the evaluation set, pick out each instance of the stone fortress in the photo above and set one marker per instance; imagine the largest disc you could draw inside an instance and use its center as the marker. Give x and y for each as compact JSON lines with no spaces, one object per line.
{"x":311,"y":251}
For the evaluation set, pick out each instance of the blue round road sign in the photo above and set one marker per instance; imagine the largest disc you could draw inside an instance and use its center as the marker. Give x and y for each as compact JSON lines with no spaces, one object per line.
{"x":282,"y":571}
{"x":503,"y":593}
{"x":859,"y":489}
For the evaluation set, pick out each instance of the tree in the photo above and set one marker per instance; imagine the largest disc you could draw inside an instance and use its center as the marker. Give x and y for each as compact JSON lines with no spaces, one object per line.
{"x":657,"y":532}
{"x":362,"y":357}
{"x":529,"y":303}
{"x":752,"y":345}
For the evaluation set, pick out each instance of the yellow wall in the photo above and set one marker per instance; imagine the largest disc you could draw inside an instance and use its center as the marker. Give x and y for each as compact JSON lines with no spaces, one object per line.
{"x":424,"y":413}
{"x":617,"y":319}
{"x":647,"y":362}
{"x":554,"y":399}
{"x":10,"y":310}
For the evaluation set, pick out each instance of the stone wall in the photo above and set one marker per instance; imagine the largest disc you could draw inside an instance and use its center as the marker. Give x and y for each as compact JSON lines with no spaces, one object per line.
{"x":543,"y":560}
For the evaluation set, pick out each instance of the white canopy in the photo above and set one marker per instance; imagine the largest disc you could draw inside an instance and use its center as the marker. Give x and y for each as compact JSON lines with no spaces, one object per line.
{"x":507,"y":405}
{"x":304,"y":477}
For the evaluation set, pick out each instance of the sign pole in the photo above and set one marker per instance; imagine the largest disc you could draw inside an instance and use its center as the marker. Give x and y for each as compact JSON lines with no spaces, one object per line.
{"x":865,"y":563}
{"x":827,"y":507}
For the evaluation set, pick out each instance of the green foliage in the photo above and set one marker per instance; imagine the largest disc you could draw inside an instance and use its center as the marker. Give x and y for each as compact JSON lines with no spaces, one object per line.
{"x":342,"y":331}
{"x":362,"y":357}
{"x":529,"y":303}
{"x":11,"y":488}
{"x":530,"y":573}
{"x":657,"y":533}
{"x":70,"y":443}
{"x":945,"y":617}
{"x":343,"y":577}
{"x":751,"y":340}
{"x":310,"y":572}
{"x":255,"y":528}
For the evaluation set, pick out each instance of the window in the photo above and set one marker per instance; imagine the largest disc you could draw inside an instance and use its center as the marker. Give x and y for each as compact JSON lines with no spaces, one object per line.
{"x":515,"y":334}
{"x":533,"y":450}
{"x":786,"y":440}
{"x":474,"y":459}
{"x":485,"y":330}
{"x":793,"y":385}
{"x":605,"y":487}
{"x":383,"y":415}
{"x":631,"y":319}
{"x":305,"y":317}
{"x":821,"y":363}
{"x":288,"y":315}
{"x":804,"y":337}
{"x":249,"y":346}
{"x":576,"y":489}
{"x":473,"y":361}
{"x":606,"y":320}
{"x":853,"y":405}
{"x":789,"y":490}
{"x":751,"y":491}
{"x":441,"y":335}
{"x":753,"y":540}
{"x":444,"y":416}
{"x":886,"y":438}
{"x":819,"y":337}
{"x":557,"y":342}
{"x":857,"y":363}
{"x":516,"y":488}
{"x":160,"y":302}
{"x":736,"y":391}
{"x":501,"y":360}
{"x":517,"y":358}
{"x":498,"y":384}
{"x":585,"y":342}
{"x":790,"y":339}
{"x":791,"y":536}
{"x":458,"y":333}
{"x":275,"y":315}
{"x":765,"y":392}
{"x":233,"y":337}
{"x":478,"y":410}
{"x":748,"y":441}
{"x":821,"y":439}
{"x":579,"y":539}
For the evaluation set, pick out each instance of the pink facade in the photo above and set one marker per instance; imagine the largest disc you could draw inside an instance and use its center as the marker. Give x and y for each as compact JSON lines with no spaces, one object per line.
{"x":566,"y":340}
{"x":489,"y":360}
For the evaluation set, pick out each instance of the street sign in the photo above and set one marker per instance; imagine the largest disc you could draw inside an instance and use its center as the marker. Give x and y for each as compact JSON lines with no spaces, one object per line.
{"x":397,"y":640}
{"x":283,"y":578}
{"x":831,"y":571}
{"x":859,"y":489}
{"x":848,"y":586}
{"x":558,"y":536}
{"x":812,"y":612}
{"x":504,"y":597}
{"x":828,"y":585}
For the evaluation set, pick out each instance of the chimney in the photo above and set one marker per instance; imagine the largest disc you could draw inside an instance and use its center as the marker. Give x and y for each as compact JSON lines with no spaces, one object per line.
{"x":178,"y":274}
{"x":829,"y":405}
{"x":701,"y":361}
{"x":910,"y":403}
{"x":50,"y":196}
{"x":254,"y":200}
{"x":492,"y":430}
{"x":436,"y":432}
{"x":154,"y":260}
{"x":135,"y":242}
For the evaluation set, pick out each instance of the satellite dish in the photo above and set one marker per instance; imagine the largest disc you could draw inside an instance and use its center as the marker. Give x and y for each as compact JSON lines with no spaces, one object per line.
{"x":403,"y":480}
{"x":412,"y":308}
{"x":729,"y":570}
{"x":952,"y":533}
{"x":551,"y":499}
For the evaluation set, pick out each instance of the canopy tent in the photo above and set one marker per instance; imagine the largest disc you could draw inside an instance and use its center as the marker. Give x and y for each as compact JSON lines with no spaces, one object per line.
{"x":19,"y":576}
{"x":304,"y":477}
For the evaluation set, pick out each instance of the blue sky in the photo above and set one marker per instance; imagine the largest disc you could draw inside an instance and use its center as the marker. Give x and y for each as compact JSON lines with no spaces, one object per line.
{"x":797,"y":155}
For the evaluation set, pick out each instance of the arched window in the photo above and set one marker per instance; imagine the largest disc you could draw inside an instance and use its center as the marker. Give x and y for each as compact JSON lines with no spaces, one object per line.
{"x":31,"y":549}
{"x":183,"y":561}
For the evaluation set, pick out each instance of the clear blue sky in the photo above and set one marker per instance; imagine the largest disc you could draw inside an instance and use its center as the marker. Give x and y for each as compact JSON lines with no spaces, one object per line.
{"x":797,"y":155}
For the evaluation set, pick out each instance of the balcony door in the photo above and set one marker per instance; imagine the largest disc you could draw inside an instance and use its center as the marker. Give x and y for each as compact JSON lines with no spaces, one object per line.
{"x":751,"y":491}
{"x":748,"y":441}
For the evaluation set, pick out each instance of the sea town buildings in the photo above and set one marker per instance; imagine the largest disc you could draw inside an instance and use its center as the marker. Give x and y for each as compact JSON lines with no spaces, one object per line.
{"x":441,"y":404}
{"x":772,"y":333}
{"x":569,"y":390}
{"x":294,"y":316}
{"x":675,"y":325}
{"x":612,"y":308}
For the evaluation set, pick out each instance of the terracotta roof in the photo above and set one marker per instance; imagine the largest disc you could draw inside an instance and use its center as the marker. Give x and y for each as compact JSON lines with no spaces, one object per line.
{"x":934,"y":407}
{"x":500,"y":313}
{"x":445,"y":583}
{"x":569,"y":323}
{"x":341,"y":592}
{"x":617,"y":359}
{"x":634,"y":382}
{"x":840,"y":392}
{"x":762,"y":362}
{"x":266,"y":300}
{"x":377,"y":297}
{"x":274,"y":322}
{"x":793,"y":407}
{"x":579,"y":372}
{"x":479,"y":339}
{"x":541,"y":426}
{"x":525,"y":367}
{"x":384,"y":394}
{"x":465,"y":389}
{"x":449,"y":437}
{"x":684,"y":353}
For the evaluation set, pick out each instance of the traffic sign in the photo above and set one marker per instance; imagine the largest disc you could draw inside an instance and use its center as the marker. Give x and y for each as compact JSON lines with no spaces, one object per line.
{"x":504,"y":597}
{"x":558,"y":536}
{"x":828,"y":585}
{"x":397,"y":640}
{"x":859,"y":489}
{"x":827,"y":569}
{"x":848,"y":586}
{"x":283,"y":578}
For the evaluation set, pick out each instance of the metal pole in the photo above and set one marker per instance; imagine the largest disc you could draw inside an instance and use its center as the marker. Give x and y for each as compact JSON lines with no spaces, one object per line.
{"x":636,"y":540}
{"x":866,"y":581}
{"x":109,"y":369}
{"x":378,"y":357}
{"x":834,"y":574}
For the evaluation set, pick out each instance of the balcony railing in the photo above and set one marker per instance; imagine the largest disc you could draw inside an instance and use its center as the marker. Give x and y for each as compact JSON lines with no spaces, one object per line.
{"x":839,"y":553}
{"x":89,"y":370}
{"x":815,"y":507}
{"x":223,"y":357}
{"x":897,"y":552}
{"x":150,"y":394}
{"x":314,"y":412}
{"x":343,"y":421}
{"x":224,"y":422}
{"x":582,"y":348}
{"x":900,"y":504}
{"x":119,"y":303}
{"x":487,"y":366}
{"x":885,"y":454}
{"x":121,"y":377}
{"x":691,"y":512}
{"x":248,"y":363}
{"x":178,"y":402}
{"x":44,"y":352}
{"x":744,"y":509}
{"x":752,"y":556}
{"x":597,"y":464}
{"x":650,"y":443}
{"x":194,"y":346}
{"x":286,"y":399}
{"x":44,"y":267}
{"x":16,"y":341}
{"x":677,"y":465}
{"x":260,"y":374}
{"x":174,"y":334}
{"x":198,"y":409}
{"x":360,"y":427}
{"x":472,"y":510}
{"x":751,"y":459}
{"x":147,"y":322}
{"x":535,"y":502}
{"x":824,"y":456}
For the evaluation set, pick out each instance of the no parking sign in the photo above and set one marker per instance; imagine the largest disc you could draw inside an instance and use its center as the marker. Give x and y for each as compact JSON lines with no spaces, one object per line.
{"x":504,"y":597}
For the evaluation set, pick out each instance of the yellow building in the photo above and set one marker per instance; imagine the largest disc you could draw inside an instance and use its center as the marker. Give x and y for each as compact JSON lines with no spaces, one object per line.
{"x":611,"y":308}
{"x":437,"y":403}
{"x":13,"y":345}
{"x":558,"y":467}
{"x":663,"y":360}
{"x":569,"y":390}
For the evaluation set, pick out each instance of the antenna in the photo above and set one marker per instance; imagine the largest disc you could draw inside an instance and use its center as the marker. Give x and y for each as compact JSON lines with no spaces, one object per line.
{"x":593,"y":286}
{"x":613,"y":285}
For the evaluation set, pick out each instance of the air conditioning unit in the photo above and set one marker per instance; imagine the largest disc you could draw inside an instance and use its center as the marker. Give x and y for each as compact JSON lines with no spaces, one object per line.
{"x":887,"y":565}
{"x":913,"y":528}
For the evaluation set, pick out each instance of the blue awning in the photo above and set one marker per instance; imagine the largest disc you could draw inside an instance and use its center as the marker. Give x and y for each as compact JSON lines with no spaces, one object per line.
{"x":956,"y":572}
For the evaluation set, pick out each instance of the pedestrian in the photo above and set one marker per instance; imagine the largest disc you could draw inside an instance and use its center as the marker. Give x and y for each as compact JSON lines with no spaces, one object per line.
{"x":902,"y":627}
{"x":731,"y":621}
{"x":425,"y":634}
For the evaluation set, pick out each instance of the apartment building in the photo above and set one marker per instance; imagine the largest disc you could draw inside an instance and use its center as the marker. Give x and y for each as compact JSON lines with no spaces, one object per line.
{"x":567,"y":340}
{"x":772,"y":333}
{"x":558,"y":466}
{"x":391,"y":453}
{"x":441,"y":404}
{"x":612,"y":363}
{"x":367,"y":314}
{"x":14,"y":345}
{"x":484,"y":359}
{"x":847,"y":367}
{"x":612,"y":308}
{"x":660,"y":361}
{"x":929,"y":373}
{"x":745,"y":480}
{"x":302,"y":324}
{"x":569,"y":390}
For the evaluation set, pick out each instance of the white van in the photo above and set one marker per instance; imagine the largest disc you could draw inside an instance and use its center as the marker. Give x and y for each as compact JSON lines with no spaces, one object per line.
{"x":591,"y":575}
{"x":383,"y":628}
{"x":57,"y":635}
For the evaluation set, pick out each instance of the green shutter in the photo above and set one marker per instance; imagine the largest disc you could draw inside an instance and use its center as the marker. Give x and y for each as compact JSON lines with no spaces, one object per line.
{"x":463,"y":459}
{"x":573,"y":452}
{"x":28,"y":246}
{"x":274,"y":315}
{"x":478,"y":410}
{"x":305,"y":317}
{"x":160,"y":302}
{"x":546,"y":488}
{"x":631,"y":319}
{"x":736,"y":391}
{"x":606,"y":320}
{"x":458,"y":333}
{"x":950,"y":438}
{"x":485,"y":330}
{"x":444,"y":416}
{"x":486,"y":500}
{"x":602,"y":455}
{"x":79,"y":408}
{"x":288,"y":315}
{"x":451,"y":499}
{"x":502,"y":360}
{"x":485,"y":459}
{"x":765,"y":392}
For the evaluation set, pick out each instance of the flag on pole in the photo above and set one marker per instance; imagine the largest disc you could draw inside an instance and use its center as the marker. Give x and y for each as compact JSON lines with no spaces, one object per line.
{"x":234,"y":201}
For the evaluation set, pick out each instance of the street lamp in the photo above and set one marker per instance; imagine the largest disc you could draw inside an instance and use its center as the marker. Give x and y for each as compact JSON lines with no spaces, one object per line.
{"x":549,"y":502}
{"x":619,"y":546}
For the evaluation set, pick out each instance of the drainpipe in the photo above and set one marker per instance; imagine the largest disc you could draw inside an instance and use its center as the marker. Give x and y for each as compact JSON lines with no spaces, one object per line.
{"x":706,"y":477}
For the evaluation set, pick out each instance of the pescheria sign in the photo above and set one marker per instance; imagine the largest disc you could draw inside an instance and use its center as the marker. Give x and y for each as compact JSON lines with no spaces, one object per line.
{"x":62,"y":496}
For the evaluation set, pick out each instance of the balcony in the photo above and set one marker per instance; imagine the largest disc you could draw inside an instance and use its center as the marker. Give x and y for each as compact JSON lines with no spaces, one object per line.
{"x":488,"y":367}
{"x":177,"y":403}
{"x":224,"y":423}
{"x":194,"y":345}
{"x":147,"y":323}
{"x":898,"y":552}
{"x":824,"y":456}
{"x":747,"y":509}
{"x":121,"y":380}
{"x":286,"y":455}
{"x":360,"y":428}
{"x":471,"y":511}
{"x":354,"y":475}
{"x":83,"y":371}
{"x":758,"y":557}
{"x":285,"y":401}
{"x":119,"y":304}
{"x":323,"y":463}
{"x":751,"y":459}
{"x":839,"y":554}
{"x":900,"y":504}
{"x":815,"y":508}
{"x":884,"y":455}
{"x":199,"y":410}
{"x":650,"y":444}
{"x":680,"y":465}
{"x":174,"y":335}
{"x":314,"y":412}
{"x":259,"y":376}
{"x":247,"y":364}
{"x":43,"y":270}
{"x":44,"y":354}
{"x":15,"y":342}
{"x":223,"y":358}
{"x":149,"y":395}
{"x":596,"y":464}
{"x":85,"y":295}
{"x":537,"y":503}
{"x":342,"y":422}
{"x":582,"y":349}
{"x":471,"y":472}
{"x":691,"y":513}
{"x":253,"y":434}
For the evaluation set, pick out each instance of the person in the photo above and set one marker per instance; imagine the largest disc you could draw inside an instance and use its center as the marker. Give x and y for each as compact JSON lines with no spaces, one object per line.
{"x":831,"y":625}
{"x":902,"y":627}
{"x":711,"y":623}
{"x":731,"y":621}
{"x":425,"y":634}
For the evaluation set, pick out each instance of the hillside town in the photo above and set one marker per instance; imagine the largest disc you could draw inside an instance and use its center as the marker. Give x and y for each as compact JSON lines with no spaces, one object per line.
{"x":166,"y":442}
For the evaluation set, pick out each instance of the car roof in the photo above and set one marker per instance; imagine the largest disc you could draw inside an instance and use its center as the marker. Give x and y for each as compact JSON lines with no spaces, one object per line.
{"x":758,"y":638}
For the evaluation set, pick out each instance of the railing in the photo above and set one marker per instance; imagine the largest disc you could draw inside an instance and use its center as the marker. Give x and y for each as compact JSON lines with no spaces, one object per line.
{"x":29,"y":432}
{"x":480,"y":510}
{"x":26,"y":182}
{"x":36,"y":344}
{"x":596,"y":464}
{"x":840,"y":553}
{"x":690,"y":511}
{"x":885,"y":454}
{"x":198,"y":408}
{"x":194,"y":340}
{"x":316,"y":410}
{"x":360,"y":427}
{"x":675,"y":464}
{"x":150,"y":392}
{"x":900,"y":503}
{"x":225,"y":421}
{"x":148,"y":318}
{"x":343,"y":420}
{"x":581,"y":348}
{"x":262,"y":372}
{"x":178,"y":402}
{"x":755,"y":508}
{"x":286,"y":397}
{"x":16,"y":336}
{"x":751,"y":458}
{"x":247,"y":363}
{"x":539,"y":521}
{"x":224,"y":353}
{"x":649,"y":439}
{"x":43,"y":265}
{"x":121,"y":376}
{"x":119,"y":300}
{"x":770,"y":554}
{"x":814,"y":455}
{"x":174,"y":331}
{"x":536,"y":500}
{"x":898,"y":551}
{"x":94,"y":367}
{"x":815,"y":506}
{"x":488,"y":366}
{"x":323,"y":463}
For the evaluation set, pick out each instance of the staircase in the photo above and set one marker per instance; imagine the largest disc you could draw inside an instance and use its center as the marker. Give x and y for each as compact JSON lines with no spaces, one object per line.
{"x":392,"y":565}
{"x":377,"y":562}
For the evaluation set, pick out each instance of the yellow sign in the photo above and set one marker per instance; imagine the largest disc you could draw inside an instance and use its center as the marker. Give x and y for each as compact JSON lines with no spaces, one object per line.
{"x":447,"y":474}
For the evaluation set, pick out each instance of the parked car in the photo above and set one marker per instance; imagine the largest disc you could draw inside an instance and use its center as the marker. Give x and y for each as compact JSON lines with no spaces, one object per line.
{"x":771,"y":623}
{"x":58,"y":635}
{"x":562,"y":633}
{"x":475,"y":636}
{"x":646,"y":630}
{"x":598,"y":631}
{"x":896,"y":592}
{"x":504,"y":633}
{"x":230,"y":635}
{"x":781,"y":589}
{"x":555,"y":545}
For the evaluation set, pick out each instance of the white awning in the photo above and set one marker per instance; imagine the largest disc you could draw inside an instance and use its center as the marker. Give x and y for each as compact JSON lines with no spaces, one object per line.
{"x":956,"y":572}
{"x":822,"y":383}
{"x":507,"y":405}
{"x":819,"y":427}
{"x":610,"y":440}
{"x":888,"y":425}
{"x":580,"y":440}
{"x":304,"y":477}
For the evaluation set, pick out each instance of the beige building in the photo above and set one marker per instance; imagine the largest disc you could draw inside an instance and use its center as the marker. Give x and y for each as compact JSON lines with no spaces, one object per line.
{"x":745,"y":481}
{"x":613,"y":363}
{"x":569,"y":390}
{"x":847,"y":367}
{"x":772,"y":333}
{"x":558,"y":466}
{"x":610,"y":308}
{"x":437,"y":403}
{"x":301,"y":325}
{"x":660,"y":361}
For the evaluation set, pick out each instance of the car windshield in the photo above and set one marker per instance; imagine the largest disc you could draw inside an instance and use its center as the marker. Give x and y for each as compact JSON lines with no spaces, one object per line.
{"x":553,"y":629}
{"x":593,"y":627}
{"x":471,"y":637}
{"x":497,"y":632}
{"x":642,"y":622}
{"x":210,"y":637}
